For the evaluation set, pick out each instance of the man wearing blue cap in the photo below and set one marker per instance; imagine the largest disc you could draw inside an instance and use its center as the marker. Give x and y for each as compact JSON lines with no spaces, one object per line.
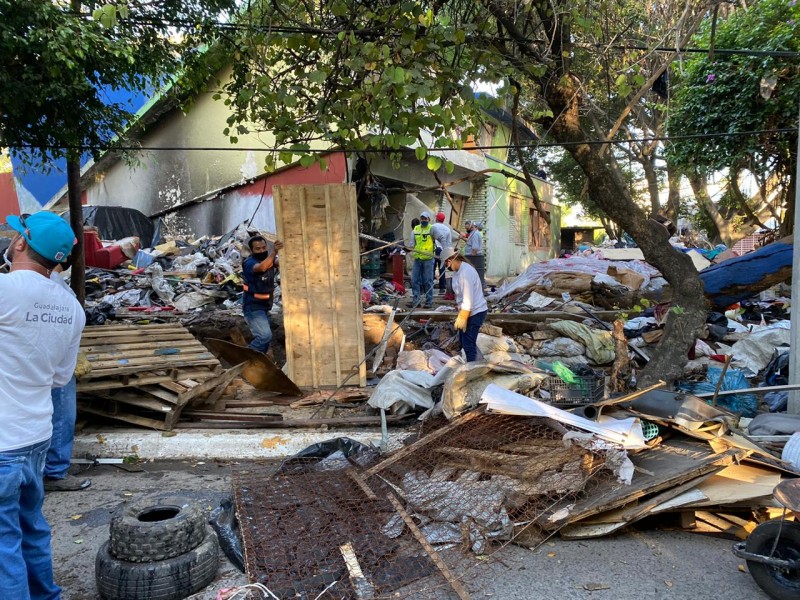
{"x":42,"y":323}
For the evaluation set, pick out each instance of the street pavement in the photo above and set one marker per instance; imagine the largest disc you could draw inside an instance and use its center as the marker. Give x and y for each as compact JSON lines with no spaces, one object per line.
{"x":639,"y":564}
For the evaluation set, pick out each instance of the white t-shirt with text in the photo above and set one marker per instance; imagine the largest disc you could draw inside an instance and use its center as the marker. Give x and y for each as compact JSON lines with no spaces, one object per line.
{"x":40,"y":333}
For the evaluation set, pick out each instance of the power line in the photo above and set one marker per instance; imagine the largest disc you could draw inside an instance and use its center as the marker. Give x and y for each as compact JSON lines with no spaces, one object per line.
{"x":722,"y":51}
{"x":532,"y":144}
{"x":284,"y":29}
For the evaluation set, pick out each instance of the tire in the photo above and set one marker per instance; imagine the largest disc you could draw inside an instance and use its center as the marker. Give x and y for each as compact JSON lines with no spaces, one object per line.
{"x":171,"y":579}
{"x":777,"y":583}
{"x":150,"y":530}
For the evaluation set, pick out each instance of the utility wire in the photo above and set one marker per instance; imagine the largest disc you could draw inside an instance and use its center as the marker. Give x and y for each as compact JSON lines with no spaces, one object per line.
{"x":532,"y":144}
{"x":284,"y":29}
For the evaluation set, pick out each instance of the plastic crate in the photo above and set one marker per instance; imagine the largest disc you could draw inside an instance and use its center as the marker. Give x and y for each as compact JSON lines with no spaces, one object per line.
{"x":587,"y":389}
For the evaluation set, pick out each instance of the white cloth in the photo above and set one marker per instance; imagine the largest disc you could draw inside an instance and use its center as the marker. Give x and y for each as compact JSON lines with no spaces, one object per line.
{"x":442,"y":235}
{"x":474,"y":245}
{"x":468,"y":289}
{"x":40,"y":333}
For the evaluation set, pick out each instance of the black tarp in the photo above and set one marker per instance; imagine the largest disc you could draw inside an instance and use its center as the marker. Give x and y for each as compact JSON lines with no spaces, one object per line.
{"x":117,"y":222}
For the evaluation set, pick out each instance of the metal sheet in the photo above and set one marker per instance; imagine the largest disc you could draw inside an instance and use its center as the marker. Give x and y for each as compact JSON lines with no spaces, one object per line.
{"x":260,"y":371}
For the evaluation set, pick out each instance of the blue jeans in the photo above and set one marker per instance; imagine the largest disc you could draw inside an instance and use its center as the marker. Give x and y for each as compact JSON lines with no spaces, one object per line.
{"x":258,"y":322}
{"x":64,"y":409}
{"x":26,"y":567}
{"x":422,"y":280}
{"x":469,"y":337}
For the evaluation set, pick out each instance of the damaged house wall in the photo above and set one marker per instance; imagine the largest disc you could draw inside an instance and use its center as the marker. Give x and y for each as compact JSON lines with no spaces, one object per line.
{"x":162,"y":179}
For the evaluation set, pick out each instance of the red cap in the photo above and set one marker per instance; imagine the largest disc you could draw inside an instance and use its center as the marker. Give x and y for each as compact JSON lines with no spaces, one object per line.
{"x":440,"y":217}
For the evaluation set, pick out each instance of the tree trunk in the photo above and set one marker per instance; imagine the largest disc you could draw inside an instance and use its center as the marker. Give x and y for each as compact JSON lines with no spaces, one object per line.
{"x":674,"y":197}
{"x":651,"y":176}
{"x":737,"y":193}
{"x":609,"y":192}
{"x":78,"y":277}
{"x":700,"y":190}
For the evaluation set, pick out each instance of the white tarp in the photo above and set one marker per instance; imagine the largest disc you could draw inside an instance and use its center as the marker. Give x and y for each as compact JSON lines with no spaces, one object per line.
{"x":626,"y":432}
{"x":754,"y":352}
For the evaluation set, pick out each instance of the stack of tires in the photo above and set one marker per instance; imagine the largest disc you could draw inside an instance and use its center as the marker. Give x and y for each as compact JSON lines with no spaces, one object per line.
{"x":158,"y":550}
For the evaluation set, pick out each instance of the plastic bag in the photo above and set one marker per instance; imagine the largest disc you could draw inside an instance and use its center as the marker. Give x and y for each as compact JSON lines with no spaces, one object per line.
{"x":336,"y":453}
{"x":743,"y":404}
{"x":223,"y":520}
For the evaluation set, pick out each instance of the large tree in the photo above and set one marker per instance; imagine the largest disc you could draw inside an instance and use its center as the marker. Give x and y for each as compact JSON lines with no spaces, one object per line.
{"x":372,"y":76}
{"x":60,"y":58}
{"x":753,"y":90}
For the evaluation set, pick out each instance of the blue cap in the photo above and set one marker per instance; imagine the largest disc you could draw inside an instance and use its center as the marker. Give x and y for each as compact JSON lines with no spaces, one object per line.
{"x":47,"y":233}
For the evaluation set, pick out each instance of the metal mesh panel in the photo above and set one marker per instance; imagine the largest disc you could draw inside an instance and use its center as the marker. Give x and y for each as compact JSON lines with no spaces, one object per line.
{"x":413,"y":524}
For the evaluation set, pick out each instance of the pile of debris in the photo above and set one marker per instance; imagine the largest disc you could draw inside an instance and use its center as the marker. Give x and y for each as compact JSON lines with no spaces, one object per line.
{"x":512,"y":469}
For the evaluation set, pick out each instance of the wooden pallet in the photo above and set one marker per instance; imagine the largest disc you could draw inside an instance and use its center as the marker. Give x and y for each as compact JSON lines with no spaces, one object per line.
{"x":147,"y":374}
{"x":157,"y":406}
{"x":123,"y":355}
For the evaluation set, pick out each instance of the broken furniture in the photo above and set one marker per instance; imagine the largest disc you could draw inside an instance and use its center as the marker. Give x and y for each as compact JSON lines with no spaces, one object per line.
{"x":147,"y":374}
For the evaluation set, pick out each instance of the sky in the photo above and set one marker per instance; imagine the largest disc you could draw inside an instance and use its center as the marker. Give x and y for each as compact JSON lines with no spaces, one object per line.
{"x":34,"y":185}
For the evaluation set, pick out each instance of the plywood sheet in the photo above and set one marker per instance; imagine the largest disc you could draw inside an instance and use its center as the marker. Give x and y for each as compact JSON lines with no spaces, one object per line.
{"x":669,"y":465}
{"x":321,"y":284}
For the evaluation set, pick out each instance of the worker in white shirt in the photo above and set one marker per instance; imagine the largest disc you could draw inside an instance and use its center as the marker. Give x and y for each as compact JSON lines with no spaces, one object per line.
{"x":474,"y":247}
{"x":471,"y":303}
{"x":442,"y":235}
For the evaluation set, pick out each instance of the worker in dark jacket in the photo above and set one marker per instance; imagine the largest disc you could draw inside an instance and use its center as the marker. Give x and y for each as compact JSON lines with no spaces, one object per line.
{"x":259,"y":271}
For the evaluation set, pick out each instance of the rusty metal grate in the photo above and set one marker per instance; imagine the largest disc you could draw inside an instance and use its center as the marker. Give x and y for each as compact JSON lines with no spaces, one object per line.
{"x":412,"y":524}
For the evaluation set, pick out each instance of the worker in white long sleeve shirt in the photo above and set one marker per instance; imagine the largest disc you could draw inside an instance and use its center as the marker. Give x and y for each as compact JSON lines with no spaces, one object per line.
{"x":442,"y":235}
{"x":474,"y":247}
{"x":472,"y":307}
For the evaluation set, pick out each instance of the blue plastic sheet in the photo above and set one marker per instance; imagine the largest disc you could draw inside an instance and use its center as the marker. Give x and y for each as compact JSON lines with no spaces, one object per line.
{"x":743,"y":404}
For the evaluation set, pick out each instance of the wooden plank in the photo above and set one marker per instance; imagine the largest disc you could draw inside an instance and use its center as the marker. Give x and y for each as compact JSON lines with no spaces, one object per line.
{"x":167,"y":336}
{"x":159,"y":392}
{"x":434,"y":556}
{"x":210,"y":384}
{"x":673,"y":463}
{"x":332,"y":273}
{"x":150,"y":360}
{"x":291,"y":423}
{"x":139,"y":368}
{"x":321,"y":284}
{"x":140,"y":400}
{"x":111,"y":327}
{"x":98,"y":352}
{"x":135,"y":335}
{"x":142,"y":379}
{"x":135,"y":419}
{"x":619,"y":518}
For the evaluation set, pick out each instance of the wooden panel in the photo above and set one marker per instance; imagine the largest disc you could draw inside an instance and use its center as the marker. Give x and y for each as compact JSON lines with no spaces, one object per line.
{"x":321,"y":284}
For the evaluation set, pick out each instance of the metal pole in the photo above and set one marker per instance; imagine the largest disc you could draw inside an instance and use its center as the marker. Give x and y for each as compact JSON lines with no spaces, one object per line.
{"x":794,"y":352}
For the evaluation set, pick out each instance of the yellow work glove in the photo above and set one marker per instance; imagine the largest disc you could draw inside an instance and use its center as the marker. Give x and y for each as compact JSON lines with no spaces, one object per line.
{"x":83,"y":366}
{"x":461,"y":320}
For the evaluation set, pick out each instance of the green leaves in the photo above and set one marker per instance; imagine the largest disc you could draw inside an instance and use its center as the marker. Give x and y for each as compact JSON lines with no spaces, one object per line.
{"x":58,"y":67}
{"x":434,"y":163}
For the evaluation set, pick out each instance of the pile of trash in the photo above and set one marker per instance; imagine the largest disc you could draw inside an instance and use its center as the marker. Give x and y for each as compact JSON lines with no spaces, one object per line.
{"x":171,"y":279}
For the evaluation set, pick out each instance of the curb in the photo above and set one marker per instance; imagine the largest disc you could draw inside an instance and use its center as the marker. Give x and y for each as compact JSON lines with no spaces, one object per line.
{"x":222,"y":444}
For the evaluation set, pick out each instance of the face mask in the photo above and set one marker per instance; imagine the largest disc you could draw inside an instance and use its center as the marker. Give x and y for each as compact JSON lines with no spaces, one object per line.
{"x":6,"y":258}
{"x":259,"y":256}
